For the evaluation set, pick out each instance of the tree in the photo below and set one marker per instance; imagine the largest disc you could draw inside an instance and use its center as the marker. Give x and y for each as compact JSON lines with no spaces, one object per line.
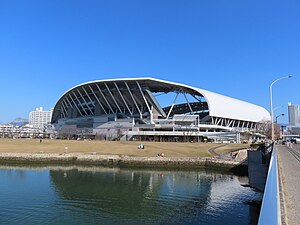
{"x":264,"y":127}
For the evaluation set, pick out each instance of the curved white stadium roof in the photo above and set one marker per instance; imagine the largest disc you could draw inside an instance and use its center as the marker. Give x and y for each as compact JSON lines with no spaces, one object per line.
{"x":219,"y":105}
{"x":227,"y":107}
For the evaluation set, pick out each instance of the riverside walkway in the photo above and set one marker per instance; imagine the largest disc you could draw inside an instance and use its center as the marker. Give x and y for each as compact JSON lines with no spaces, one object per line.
{"x":289,"y":174}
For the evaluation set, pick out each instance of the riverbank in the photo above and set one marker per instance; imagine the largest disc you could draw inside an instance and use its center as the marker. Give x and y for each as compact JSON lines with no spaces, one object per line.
{"x":121,"y":154}
{"x":123,"y":161}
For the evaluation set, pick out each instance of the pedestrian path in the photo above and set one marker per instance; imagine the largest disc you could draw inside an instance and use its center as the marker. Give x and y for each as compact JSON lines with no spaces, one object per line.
{"x":289,"y":175}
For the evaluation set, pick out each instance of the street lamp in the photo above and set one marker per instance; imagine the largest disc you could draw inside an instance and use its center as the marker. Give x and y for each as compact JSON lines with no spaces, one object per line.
{"x":282,"y":114}
{"x":278,"y":116}
{"x":271,"y":103}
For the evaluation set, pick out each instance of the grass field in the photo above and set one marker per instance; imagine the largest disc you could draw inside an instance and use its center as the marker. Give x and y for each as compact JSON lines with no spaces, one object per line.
{"x":170,"y":149}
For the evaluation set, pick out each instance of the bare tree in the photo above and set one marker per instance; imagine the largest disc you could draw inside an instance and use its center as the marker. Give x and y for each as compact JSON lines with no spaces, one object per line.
{"x":264,"y":127}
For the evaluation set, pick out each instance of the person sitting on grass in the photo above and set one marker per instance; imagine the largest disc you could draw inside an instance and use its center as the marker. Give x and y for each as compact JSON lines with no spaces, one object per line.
{"x":160,"y":154}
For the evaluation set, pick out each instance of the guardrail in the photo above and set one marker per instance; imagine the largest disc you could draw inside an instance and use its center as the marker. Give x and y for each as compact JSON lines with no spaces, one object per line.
{"x":270,"y":210}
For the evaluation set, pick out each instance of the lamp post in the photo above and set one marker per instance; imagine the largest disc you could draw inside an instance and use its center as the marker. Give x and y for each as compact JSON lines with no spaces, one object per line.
{"x":271,"y":104}
{"x":280,"y":135}
{"x":278,"y":116}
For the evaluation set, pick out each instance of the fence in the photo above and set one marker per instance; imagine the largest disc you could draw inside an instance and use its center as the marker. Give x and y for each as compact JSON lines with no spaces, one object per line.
{"x":270,"y":209}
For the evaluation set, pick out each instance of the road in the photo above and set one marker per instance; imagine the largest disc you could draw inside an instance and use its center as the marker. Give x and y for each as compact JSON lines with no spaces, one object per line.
{"x":289,"y":170}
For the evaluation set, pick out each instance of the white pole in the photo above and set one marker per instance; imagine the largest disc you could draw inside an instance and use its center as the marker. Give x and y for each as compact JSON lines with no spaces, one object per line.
{"x":271,"y":104}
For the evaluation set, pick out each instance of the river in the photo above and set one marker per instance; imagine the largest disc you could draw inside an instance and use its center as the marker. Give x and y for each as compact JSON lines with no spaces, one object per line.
{"x":93,"y":195}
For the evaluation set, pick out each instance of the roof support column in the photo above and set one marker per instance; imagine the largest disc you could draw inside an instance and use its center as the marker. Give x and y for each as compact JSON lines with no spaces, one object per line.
{"x":79,"y":103}
{"x":62,"y":115}
{"x":131,"y":112}
{"x":199,"y":100}
{"x":228,"y":122}
{"x":85,"y":102}
{"x":64,"y":105}
{"x":105,"y":98}
{"x":220,"y":121}
{"x":88,"y":96}
{"x":96,"y":97}
{"x":113,"y":98}
{"x":70,"y":104}
{"x":62,"y":111}
{"x":136,"y":105}
{"x":188,"y":102}
{"x":75,"y":104}
{"x":151,"y":114}
{"x":232,"y":123}
{"x":172,"y":105}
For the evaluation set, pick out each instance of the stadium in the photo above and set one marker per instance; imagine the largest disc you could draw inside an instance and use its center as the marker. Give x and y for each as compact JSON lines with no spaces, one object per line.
{"x":153,"y":110}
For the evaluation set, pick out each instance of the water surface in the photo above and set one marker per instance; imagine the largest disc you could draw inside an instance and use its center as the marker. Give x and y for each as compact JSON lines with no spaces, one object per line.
{"x":79,"y":195}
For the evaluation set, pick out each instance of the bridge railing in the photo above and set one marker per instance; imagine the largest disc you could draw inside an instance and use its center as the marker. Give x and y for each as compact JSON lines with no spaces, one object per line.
{"x":270,"y":210}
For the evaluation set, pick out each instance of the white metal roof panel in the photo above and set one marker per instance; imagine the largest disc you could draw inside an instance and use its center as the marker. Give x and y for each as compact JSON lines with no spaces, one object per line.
{"x":227,"y":107}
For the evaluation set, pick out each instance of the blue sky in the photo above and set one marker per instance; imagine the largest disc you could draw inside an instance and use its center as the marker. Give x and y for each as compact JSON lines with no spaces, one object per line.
{"x":236,"y":48}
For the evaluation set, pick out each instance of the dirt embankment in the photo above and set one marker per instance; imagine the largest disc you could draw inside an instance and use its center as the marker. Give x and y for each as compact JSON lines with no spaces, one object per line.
{"x":181,"y":155}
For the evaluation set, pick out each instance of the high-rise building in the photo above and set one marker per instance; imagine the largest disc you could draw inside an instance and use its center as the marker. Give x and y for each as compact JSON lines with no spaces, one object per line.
{"x":293,"y":111}
{"x":39,"y":118}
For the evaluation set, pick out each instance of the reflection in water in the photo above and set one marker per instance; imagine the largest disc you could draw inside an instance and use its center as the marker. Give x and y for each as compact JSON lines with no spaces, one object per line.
{"x":119,"y":196}
{"x":133,"y":195}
